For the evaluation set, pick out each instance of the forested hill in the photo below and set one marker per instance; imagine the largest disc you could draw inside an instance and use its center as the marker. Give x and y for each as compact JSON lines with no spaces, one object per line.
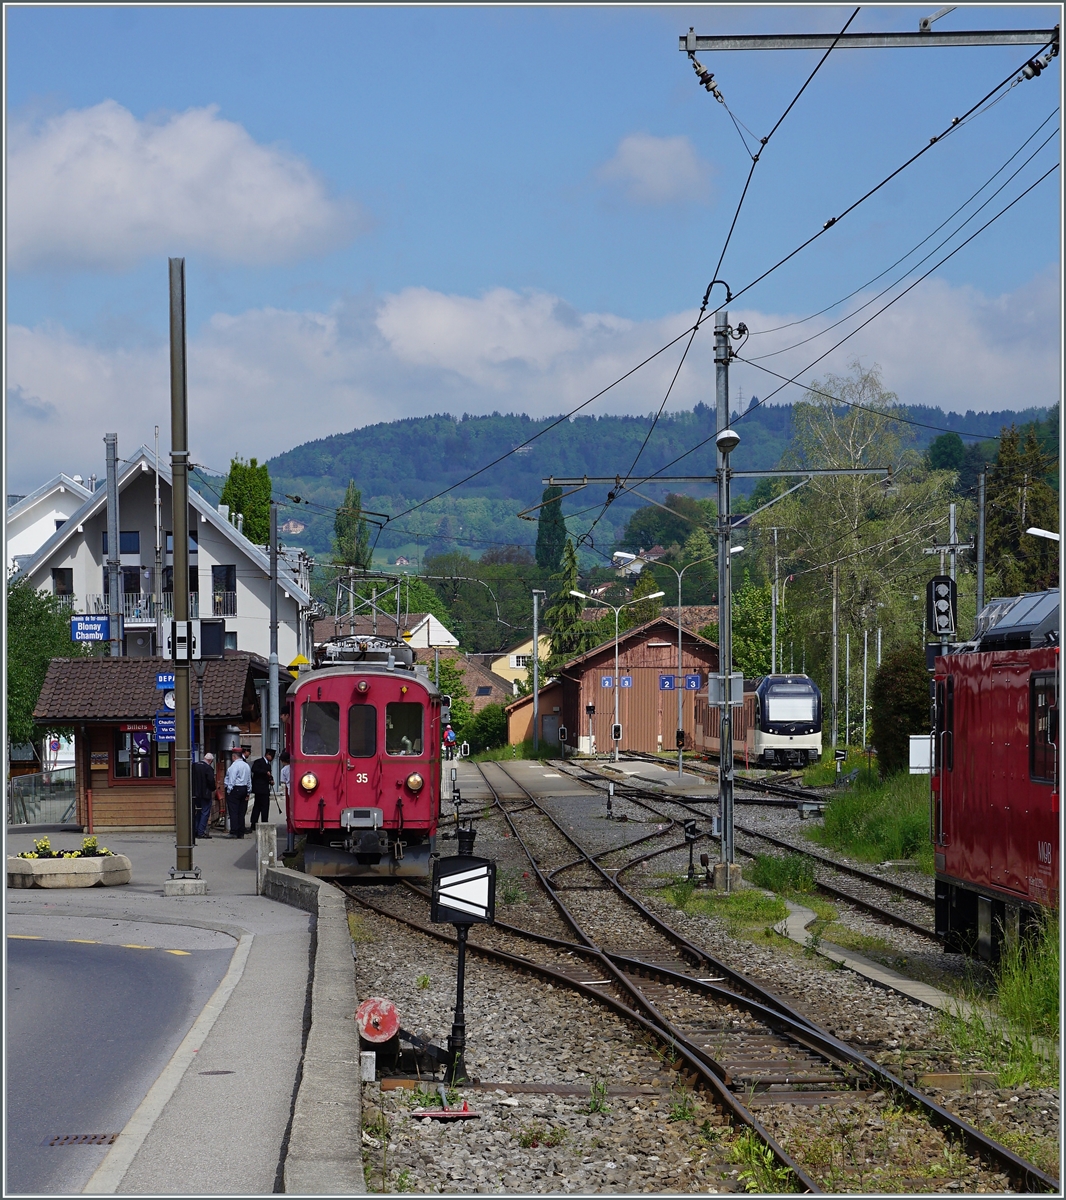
{"x":397,"y":463}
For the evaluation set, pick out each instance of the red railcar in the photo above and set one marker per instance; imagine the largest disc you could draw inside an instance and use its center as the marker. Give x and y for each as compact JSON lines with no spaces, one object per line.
{"x":364,"y":741}
{"x":995,"y":779}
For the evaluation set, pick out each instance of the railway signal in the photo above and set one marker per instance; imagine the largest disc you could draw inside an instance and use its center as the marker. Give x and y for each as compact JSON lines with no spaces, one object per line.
{"x":464,"y":894}
{"x":941,"y":607}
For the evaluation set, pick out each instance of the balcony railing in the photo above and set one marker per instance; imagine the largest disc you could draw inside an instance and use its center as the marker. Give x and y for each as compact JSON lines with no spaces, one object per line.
{"x":224,"y":604}
{"x":140,"y":608}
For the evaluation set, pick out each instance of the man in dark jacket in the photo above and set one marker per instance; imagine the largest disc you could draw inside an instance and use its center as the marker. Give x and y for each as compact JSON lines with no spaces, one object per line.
{"x":262,"y":779}
{"x":204,"y":787}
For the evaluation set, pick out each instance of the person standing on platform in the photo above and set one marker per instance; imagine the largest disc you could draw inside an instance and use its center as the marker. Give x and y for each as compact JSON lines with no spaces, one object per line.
{"x":204,"y":788}
{"x":238,"y":783}
{"x":262,"y":780}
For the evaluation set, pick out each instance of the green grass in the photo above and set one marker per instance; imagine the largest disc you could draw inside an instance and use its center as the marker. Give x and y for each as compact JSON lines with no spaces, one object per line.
{"x":746,"y":912}
{"x":823,"y":773}
{"x":874,"y":821}
{"x":512,"y":753}
{"x":791,"y":873}
{"x":1025,"y":1007}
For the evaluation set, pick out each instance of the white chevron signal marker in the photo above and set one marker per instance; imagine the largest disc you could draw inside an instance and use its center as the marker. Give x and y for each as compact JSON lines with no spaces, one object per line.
{"x":467,"y":891}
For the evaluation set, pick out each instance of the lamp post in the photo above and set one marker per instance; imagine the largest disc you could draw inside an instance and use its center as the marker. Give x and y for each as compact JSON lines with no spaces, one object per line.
{"x":622,"y":558}
{"x":617,"y":610}
{"x":727,"y":441}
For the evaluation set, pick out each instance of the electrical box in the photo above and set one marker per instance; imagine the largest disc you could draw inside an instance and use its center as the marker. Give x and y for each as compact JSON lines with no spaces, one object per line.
{"x":716,"y":690}
{"x":212,"y":639}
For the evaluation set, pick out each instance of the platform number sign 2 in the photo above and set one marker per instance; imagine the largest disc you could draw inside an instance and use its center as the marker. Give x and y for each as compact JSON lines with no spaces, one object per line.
{"x":941,"y":606}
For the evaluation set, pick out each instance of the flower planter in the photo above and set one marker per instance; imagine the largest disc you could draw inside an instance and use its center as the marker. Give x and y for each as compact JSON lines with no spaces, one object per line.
{"x":105,"y":871}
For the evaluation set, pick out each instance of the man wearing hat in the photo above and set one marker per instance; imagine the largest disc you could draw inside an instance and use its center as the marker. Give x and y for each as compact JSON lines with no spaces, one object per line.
{"x":238,"y":783}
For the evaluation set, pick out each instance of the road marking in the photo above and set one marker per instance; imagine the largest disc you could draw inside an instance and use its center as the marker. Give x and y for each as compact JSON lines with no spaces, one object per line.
{"x":26,"y":937}
{"x":85,"y":941}
{"x":176,"y":952}
{"x":134,"y":946}
{"x":110,"y":1173}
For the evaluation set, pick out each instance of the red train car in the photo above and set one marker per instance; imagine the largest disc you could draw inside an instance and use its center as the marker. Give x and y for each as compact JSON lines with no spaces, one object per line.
{"x":364,"y":737}
{"x":995,"y":779}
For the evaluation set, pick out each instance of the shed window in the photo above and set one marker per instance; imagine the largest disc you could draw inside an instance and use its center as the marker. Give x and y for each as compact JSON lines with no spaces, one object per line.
{"x":403,"y":729}
{"x":362,"y":731}
{"x":320,"y":732}
{"x":133,"y":755}
{"x":1043,"y":716}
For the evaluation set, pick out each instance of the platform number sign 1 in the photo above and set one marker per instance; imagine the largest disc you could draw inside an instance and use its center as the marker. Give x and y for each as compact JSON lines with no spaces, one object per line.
{"x":941,"y":607}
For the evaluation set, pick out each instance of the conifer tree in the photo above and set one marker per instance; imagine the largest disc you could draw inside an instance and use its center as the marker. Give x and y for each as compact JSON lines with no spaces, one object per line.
{"x":646,"y":610}
{"x":247,"y":491}
{"x":551,"y":531}
{"x":351,"y":534}
{"x":1019,"y":497}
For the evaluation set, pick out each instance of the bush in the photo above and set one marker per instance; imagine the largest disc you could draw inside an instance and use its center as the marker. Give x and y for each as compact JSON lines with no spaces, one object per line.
{"x":900,"y":706}
{"x":487,"y":729}
{"x":792,"y":873}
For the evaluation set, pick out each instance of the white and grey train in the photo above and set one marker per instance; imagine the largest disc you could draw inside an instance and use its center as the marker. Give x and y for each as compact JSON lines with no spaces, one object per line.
{"x":779,"y":725}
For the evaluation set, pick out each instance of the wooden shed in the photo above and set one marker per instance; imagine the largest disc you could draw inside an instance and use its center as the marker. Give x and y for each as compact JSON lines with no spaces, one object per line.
{"x":647,"y":707}
{"x":121,"y":770}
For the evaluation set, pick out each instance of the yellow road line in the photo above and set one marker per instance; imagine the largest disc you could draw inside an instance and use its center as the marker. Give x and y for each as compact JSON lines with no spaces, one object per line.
{"x":26,"y":937}
{"x":85,"y":941}
{"x":178,"y":952}
{"x":134,"y":946}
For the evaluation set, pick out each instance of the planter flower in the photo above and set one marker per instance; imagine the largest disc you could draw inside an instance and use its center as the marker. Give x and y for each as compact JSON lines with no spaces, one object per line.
{"x":91,"y":866}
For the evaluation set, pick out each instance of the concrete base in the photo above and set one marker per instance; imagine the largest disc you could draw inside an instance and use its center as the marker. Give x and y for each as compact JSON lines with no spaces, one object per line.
{"x":106,"y":871}
{"x":735,"y":880}
{"x":184,"y":887}
{"x":266,"y":853}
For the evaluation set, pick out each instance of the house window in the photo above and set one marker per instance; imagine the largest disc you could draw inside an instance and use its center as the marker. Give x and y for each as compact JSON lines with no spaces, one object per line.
{"x":131,"y":580}
{"x":194,"y":580}
{"x":484,"y":691}
{"x":224,"y":590}
{"x":60,"y":522}
{"x":521,"y":661}
{"x":62,"y":581}
{"x":194,"y":540}
{"x":231,"y":640}
{"x":129,"y":541}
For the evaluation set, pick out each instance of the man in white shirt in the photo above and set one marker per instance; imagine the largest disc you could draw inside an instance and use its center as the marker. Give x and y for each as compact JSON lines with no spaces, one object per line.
{"x":238,"y":783}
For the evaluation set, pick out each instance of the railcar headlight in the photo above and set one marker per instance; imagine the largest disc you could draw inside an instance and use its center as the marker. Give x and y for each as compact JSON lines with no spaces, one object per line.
{"x":415,"y":781}
{"x":309,"y":781}
{"x":362,"y":686}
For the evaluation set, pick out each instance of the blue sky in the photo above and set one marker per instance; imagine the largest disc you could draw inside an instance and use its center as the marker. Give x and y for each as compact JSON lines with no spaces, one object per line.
{"x":388,"y":211}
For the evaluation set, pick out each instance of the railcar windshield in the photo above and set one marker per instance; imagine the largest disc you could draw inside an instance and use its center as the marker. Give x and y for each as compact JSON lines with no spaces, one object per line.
{"x":791,"y":702}
{"x":362,"y":731}
{"x":403,"y":729}
{"x":320,"y":727}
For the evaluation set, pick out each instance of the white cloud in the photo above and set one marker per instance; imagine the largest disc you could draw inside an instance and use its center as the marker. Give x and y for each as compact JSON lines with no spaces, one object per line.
{"x":658,"y":170}
{"x":265,"y":380}
{"x":98,"y":188}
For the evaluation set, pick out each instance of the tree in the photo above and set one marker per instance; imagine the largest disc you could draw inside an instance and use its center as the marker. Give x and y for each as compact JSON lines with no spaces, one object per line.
{"x":1018,"y":497}
{"x":501,"y":556}
{"x":551,"y":531}
{"x":899,"y":706}
{"x":451,"y":684}
{"x":652,"y":526}
{"x":644,"y":610}
{"x":488,"y":728}
{"x":946,"y":453}
{"x":752,"y":628}
{"x":247,"y":491}
{"x":351,"y":533}
{"x":38,"y":630}
{"x":570,"y":635}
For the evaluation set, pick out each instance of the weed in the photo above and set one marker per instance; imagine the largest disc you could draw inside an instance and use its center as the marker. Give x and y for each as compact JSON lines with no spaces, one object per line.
{"x":745,"y":911}
{"x":598,"y":1097}
{"x":357,"y":928}
{"x":760,"y":1170}
{"x":681,"y":892}
{"x":814,"y":940}
{"x":532,"y":1136}
{"x":841,"y":935}
{"x":525,"y":750}
{"x":1027,"y":989}
{"x":404,"y":1183}
{"x":792,"y":873}
{"x":682,"y":1105}
{"x":423,"y":982}
{"x":509,"y":888}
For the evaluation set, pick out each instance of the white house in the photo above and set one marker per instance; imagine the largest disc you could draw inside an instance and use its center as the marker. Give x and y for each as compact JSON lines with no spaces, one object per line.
{"x":228,"y":575}
{"x":32,"y":519}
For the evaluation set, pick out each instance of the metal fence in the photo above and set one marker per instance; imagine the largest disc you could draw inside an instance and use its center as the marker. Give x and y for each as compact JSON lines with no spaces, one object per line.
{"x":47,"y":798}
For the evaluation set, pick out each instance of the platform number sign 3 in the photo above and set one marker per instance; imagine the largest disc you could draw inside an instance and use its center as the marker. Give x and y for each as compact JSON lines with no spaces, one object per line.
{"x":941,"y":606}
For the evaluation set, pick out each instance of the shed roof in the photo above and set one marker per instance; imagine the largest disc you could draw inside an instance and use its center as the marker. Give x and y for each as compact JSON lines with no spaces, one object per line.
{"x":123,"y":689}
{"x":636,"y":634}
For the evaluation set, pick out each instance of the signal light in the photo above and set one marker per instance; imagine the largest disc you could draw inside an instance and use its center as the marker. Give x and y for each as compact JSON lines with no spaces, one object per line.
{"x":941,"y":606}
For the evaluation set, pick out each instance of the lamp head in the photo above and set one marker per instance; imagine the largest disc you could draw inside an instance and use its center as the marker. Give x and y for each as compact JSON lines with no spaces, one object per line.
{"x":653,"y":596}
{"x":621,"y":558}
{"x":579,"y":595}
{"x":727,"y":441}
{"x":736,"y":550}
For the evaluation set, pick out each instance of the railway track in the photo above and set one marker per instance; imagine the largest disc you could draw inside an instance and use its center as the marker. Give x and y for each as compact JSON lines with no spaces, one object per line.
{"x":646,"y":796}
{"x":747,"y":1047}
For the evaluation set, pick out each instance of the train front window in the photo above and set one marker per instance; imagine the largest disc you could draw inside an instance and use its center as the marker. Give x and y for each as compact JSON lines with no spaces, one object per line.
{"x":362,"y":731}
{"x":403,"y":729}
{"x":320,"y":727}
{"x":1042,"y":717}
{"x":790,"y":702}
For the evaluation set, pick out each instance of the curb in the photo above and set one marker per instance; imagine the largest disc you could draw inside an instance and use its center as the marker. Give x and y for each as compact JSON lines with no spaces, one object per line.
{"x":324,"y":1156}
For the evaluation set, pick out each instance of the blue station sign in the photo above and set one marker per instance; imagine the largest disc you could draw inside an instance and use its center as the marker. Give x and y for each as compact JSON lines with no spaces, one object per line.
{"x":90,"y":628}
{"x":692,"y":683}
{"x":164,"y":681}
{"x":625,"y":681}
{"x":606,"y":681}
{"x":667,"y":683}
{"x":166,"y":727}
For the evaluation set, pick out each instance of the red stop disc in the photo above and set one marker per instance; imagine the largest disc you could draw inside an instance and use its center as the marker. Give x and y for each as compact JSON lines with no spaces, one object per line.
{"x":377,"y":1019}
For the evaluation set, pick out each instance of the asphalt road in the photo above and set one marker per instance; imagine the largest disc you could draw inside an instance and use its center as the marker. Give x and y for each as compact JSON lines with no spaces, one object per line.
{"x":89,"y":1028}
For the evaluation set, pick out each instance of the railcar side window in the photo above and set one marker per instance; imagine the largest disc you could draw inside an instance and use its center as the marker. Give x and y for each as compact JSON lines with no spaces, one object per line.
{"x":362,"y":731}
{"x":1042,"y":706}
{"x":320,"y":727}
{"x":403,"y":729}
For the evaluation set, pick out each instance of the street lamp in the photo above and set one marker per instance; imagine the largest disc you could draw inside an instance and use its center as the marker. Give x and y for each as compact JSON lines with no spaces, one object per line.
{"x":622,"y":558}
{"x":727,"y":441}
{"x":617,"y":610}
